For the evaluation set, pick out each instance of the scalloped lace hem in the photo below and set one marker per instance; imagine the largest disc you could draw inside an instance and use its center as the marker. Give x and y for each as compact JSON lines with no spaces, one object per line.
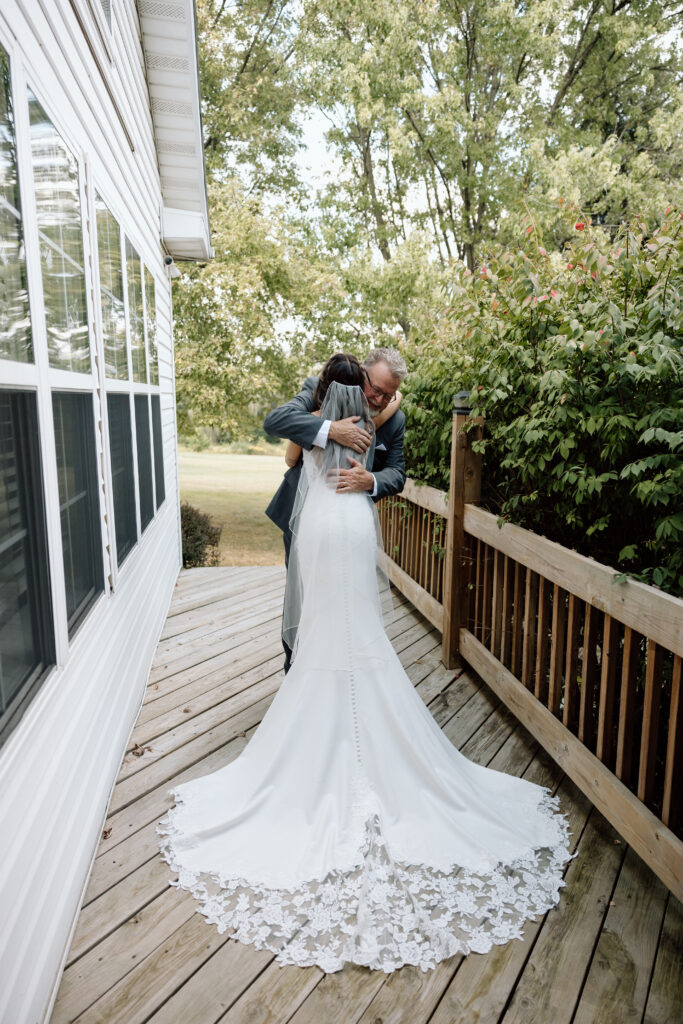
{"x":381,"y":913}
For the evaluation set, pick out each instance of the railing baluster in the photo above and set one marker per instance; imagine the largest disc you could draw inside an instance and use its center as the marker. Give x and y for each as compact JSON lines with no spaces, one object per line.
{"x":571,"y":688}
{"x":556,"y":651}
{"x":540,"y":689}
{"x":506,"y":618}
{"x":476,"y":626}
{"x":588,"y":674}
{"x":627,"y":706}
{"x":432,"y":549}
{"x":496,"y":596}
{"x":518,"y":614}
{"x":674,"y":750}
{"x":608,"y":675}
{"x":529,"y":626}
{"x":488,"y":571}
{"x":651,"y":706}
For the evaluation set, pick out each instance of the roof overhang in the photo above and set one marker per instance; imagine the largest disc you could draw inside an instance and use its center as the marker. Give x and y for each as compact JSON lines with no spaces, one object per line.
{"x":169,"y":40}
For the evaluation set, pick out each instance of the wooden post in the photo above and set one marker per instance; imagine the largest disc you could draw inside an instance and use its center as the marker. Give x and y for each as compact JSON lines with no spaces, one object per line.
{"x":465,"y":487}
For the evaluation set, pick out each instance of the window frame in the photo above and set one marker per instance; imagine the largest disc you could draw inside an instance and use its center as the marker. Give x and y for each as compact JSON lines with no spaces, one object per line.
{"x":129,"y":386}
{"x":40,"y":376}
{"x":42,"y":379}
{"x":45,"y":610}
{"x":98,"y":564}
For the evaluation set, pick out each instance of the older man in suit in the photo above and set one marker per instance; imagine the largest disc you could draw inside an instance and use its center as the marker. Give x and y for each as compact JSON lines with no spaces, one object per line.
{"x":384,"y":371}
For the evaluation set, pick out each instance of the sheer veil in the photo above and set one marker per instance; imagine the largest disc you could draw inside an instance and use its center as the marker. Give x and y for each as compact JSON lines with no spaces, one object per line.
{"x":316,"y":492}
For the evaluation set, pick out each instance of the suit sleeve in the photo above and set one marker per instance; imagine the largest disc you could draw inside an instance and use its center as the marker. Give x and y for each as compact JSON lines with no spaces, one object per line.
{"x":294,"y":420}
{"x":391,"y":478}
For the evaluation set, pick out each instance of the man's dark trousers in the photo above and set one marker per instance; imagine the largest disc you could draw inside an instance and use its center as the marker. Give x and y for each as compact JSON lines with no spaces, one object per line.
{"x":287,"y":540}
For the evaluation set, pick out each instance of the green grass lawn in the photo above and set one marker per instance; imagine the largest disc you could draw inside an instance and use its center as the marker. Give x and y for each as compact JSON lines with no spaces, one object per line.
{"x":234,"y":490}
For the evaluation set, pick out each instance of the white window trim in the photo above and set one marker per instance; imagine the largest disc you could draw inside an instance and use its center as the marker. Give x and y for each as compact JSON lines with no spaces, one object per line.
{"x":21,"y":82}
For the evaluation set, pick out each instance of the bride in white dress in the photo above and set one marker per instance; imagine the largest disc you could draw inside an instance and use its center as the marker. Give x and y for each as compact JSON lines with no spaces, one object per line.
{"x":350,"y":829}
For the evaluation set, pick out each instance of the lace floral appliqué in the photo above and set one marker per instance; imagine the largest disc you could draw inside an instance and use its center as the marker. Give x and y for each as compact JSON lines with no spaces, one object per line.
{"x":381,"y":913}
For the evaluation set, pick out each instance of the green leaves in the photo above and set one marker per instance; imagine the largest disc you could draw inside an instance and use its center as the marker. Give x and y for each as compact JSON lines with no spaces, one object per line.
{"x":577,"y":446}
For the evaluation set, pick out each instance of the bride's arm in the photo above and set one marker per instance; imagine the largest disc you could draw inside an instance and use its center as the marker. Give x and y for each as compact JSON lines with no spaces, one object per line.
{"x":293,"y":452}
{"x":387,"y":413}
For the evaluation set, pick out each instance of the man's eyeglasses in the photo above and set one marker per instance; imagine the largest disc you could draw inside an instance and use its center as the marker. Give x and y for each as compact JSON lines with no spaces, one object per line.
{"x":384,"y":396}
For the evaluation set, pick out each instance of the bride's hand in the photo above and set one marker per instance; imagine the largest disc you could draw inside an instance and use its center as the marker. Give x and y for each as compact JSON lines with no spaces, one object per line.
{"x":349,"y":435}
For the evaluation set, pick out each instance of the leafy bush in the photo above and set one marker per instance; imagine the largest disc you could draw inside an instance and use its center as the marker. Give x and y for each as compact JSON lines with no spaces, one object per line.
{"x":200,"y":537}
{"x":574,"y":359}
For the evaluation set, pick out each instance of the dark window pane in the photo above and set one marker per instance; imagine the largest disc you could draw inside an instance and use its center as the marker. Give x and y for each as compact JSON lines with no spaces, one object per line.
{"x":151,"y":323}
{"x":144,"y":460}
{"x":58,"y":206}
{"x":136,"y":314}
{"x":123,"y":481}
{"x":15,"y":322}
{"x":158,"y":450}
{"x":78,"y":505}
{"x":111,"y":292}
{"x":26,"y":632}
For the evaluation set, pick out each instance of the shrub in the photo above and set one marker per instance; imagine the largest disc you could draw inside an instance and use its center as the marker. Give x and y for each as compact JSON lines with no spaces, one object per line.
{"x":574,"y":359}
{"x":200,"y":537}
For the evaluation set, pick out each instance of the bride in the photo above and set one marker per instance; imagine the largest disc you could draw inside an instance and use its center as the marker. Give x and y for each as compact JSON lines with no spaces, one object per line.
{"x":350,"y":829}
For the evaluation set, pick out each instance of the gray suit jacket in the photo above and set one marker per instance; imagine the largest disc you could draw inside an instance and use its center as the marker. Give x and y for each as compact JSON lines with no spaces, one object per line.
{"x":294,"y":420}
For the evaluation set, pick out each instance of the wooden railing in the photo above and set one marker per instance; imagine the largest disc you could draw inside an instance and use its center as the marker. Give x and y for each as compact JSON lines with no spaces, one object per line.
{"x":589,"y":664}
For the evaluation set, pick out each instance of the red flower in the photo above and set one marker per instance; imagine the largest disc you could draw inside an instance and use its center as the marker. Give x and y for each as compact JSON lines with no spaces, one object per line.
{"x":570,"y":266}
{"x":479,"y":387}
{"x":580,"y":225}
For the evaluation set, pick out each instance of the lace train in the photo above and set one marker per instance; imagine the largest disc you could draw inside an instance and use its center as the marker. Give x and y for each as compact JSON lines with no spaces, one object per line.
{"x":380,"y":913}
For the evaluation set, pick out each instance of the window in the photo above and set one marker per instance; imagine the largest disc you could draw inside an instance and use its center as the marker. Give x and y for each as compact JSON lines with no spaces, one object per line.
{"x":121,"y":453}
{"x":26,"y":637}
{"x":136,"y":314}
{"x":151,"y":323}
{"x":158,"y":450}
{"x":15,"y":322}
{"x":111,"y":292}
{"x":145,"y":485}
{"x":78,"y":502}
{"x":58,"y":207}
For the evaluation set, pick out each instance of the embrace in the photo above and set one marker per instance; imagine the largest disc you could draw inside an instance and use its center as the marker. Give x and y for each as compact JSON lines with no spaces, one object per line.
{"x":380,"y":475}
{"x":350,"y":829}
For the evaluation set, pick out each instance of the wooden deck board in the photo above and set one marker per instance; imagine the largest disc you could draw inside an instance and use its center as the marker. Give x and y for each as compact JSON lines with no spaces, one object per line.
{"x":141,"y":953}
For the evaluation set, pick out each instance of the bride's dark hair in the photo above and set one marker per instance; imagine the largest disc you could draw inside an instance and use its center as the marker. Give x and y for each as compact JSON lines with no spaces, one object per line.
{"x":342,"y":368}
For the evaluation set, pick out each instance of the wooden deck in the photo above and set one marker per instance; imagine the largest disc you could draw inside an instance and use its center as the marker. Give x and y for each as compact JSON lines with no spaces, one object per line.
{"x":610,"y":953}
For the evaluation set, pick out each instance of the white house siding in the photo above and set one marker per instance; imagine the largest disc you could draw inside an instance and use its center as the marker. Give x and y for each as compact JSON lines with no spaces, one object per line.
{"x":58,"y":765}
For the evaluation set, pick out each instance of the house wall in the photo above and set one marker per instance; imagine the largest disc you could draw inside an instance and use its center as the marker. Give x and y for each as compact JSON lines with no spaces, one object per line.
{"x":58,"y":765}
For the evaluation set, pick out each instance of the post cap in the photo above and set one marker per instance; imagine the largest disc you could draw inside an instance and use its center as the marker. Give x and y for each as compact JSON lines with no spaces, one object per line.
{"x":461,"y":402}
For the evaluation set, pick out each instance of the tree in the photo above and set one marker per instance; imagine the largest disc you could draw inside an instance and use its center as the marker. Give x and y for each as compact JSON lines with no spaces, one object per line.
{"x":448,"y":118}
{"x":446,"y":111}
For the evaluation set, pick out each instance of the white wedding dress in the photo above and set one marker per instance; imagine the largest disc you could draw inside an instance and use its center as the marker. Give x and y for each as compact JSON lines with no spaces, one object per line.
{"x":350,"y":829}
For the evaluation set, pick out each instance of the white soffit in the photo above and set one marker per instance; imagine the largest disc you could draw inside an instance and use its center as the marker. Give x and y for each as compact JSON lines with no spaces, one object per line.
{"x":169,"y":39}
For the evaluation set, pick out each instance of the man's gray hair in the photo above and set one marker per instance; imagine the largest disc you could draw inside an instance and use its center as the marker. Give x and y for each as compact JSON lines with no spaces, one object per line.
{"x":391,"y":357}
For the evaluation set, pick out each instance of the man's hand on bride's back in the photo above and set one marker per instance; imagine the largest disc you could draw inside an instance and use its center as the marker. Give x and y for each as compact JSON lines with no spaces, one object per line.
{"x":348,"y":434}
